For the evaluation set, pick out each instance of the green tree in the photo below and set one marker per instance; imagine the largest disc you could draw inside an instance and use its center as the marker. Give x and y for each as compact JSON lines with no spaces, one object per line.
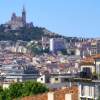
{"x":64,"y":52}
{"x":4,"y":94}
{"x":15,"y":90}
{"x":33,"y":87}
{"x":18,"y":90}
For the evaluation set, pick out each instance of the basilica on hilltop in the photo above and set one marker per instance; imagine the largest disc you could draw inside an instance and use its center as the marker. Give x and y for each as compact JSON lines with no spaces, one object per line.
{"x":17,"y":22}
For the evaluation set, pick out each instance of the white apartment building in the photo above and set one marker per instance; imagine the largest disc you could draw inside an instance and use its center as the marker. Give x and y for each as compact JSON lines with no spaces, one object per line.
{"x":57,"y":44}
{"x":89,"y":90}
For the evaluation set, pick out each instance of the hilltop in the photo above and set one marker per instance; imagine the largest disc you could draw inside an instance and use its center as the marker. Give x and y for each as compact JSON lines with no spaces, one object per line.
{"x":17,"y":28}
{"x":24,"y":33}
{"x":29,"y":33}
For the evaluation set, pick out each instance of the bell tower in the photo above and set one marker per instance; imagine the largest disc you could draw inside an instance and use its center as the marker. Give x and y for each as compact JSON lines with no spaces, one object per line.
{"x":24,"y":16}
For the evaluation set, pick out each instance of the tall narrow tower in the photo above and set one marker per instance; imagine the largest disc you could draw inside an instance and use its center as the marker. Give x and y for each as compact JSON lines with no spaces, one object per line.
{"x":24,"y":16}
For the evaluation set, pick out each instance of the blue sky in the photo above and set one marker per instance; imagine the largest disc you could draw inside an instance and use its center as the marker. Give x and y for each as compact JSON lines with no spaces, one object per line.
{"x":67,"y":17}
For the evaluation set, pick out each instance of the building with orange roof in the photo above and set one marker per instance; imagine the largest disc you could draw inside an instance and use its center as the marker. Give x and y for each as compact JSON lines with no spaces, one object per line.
{"x":67,"y":93}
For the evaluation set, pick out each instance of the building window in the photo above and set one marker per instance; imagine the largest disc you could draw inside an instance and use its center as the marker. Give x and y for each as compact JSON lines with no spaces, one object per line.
{"x":82,"y":90}
{"x":56,"y":79}
{"x":41,"y":79}
{"x":90,"y":91}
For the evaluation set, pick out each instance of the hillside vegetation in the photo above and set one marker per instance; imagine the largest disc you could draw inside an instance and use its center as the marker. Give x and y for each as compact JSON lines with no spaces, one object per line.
{"x":29,"y":33}
{"x":24,"y":33}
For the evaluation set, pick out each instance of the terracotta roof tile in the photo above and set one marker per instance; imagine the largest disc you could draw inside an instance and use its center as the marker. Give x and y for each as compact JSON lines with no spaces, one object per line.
{"x":58,"y":95}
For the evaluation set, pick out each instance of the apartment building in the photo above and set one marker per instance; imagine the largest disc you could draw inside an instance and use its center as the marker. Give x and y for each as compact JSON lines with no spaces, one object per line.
{"x":89,"y":90}
{"x":57,"y":44}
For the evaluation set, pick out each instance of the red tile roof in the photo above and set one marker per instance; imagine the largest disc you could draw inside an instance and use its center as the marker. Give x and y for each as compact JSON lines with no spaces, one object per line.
{"x":58,"y":95}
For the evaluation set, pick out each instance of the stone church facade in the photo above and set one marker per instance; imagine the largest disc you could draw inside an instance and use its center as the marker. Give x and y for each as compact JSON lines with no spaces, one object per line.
{"x":17,"y":22}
